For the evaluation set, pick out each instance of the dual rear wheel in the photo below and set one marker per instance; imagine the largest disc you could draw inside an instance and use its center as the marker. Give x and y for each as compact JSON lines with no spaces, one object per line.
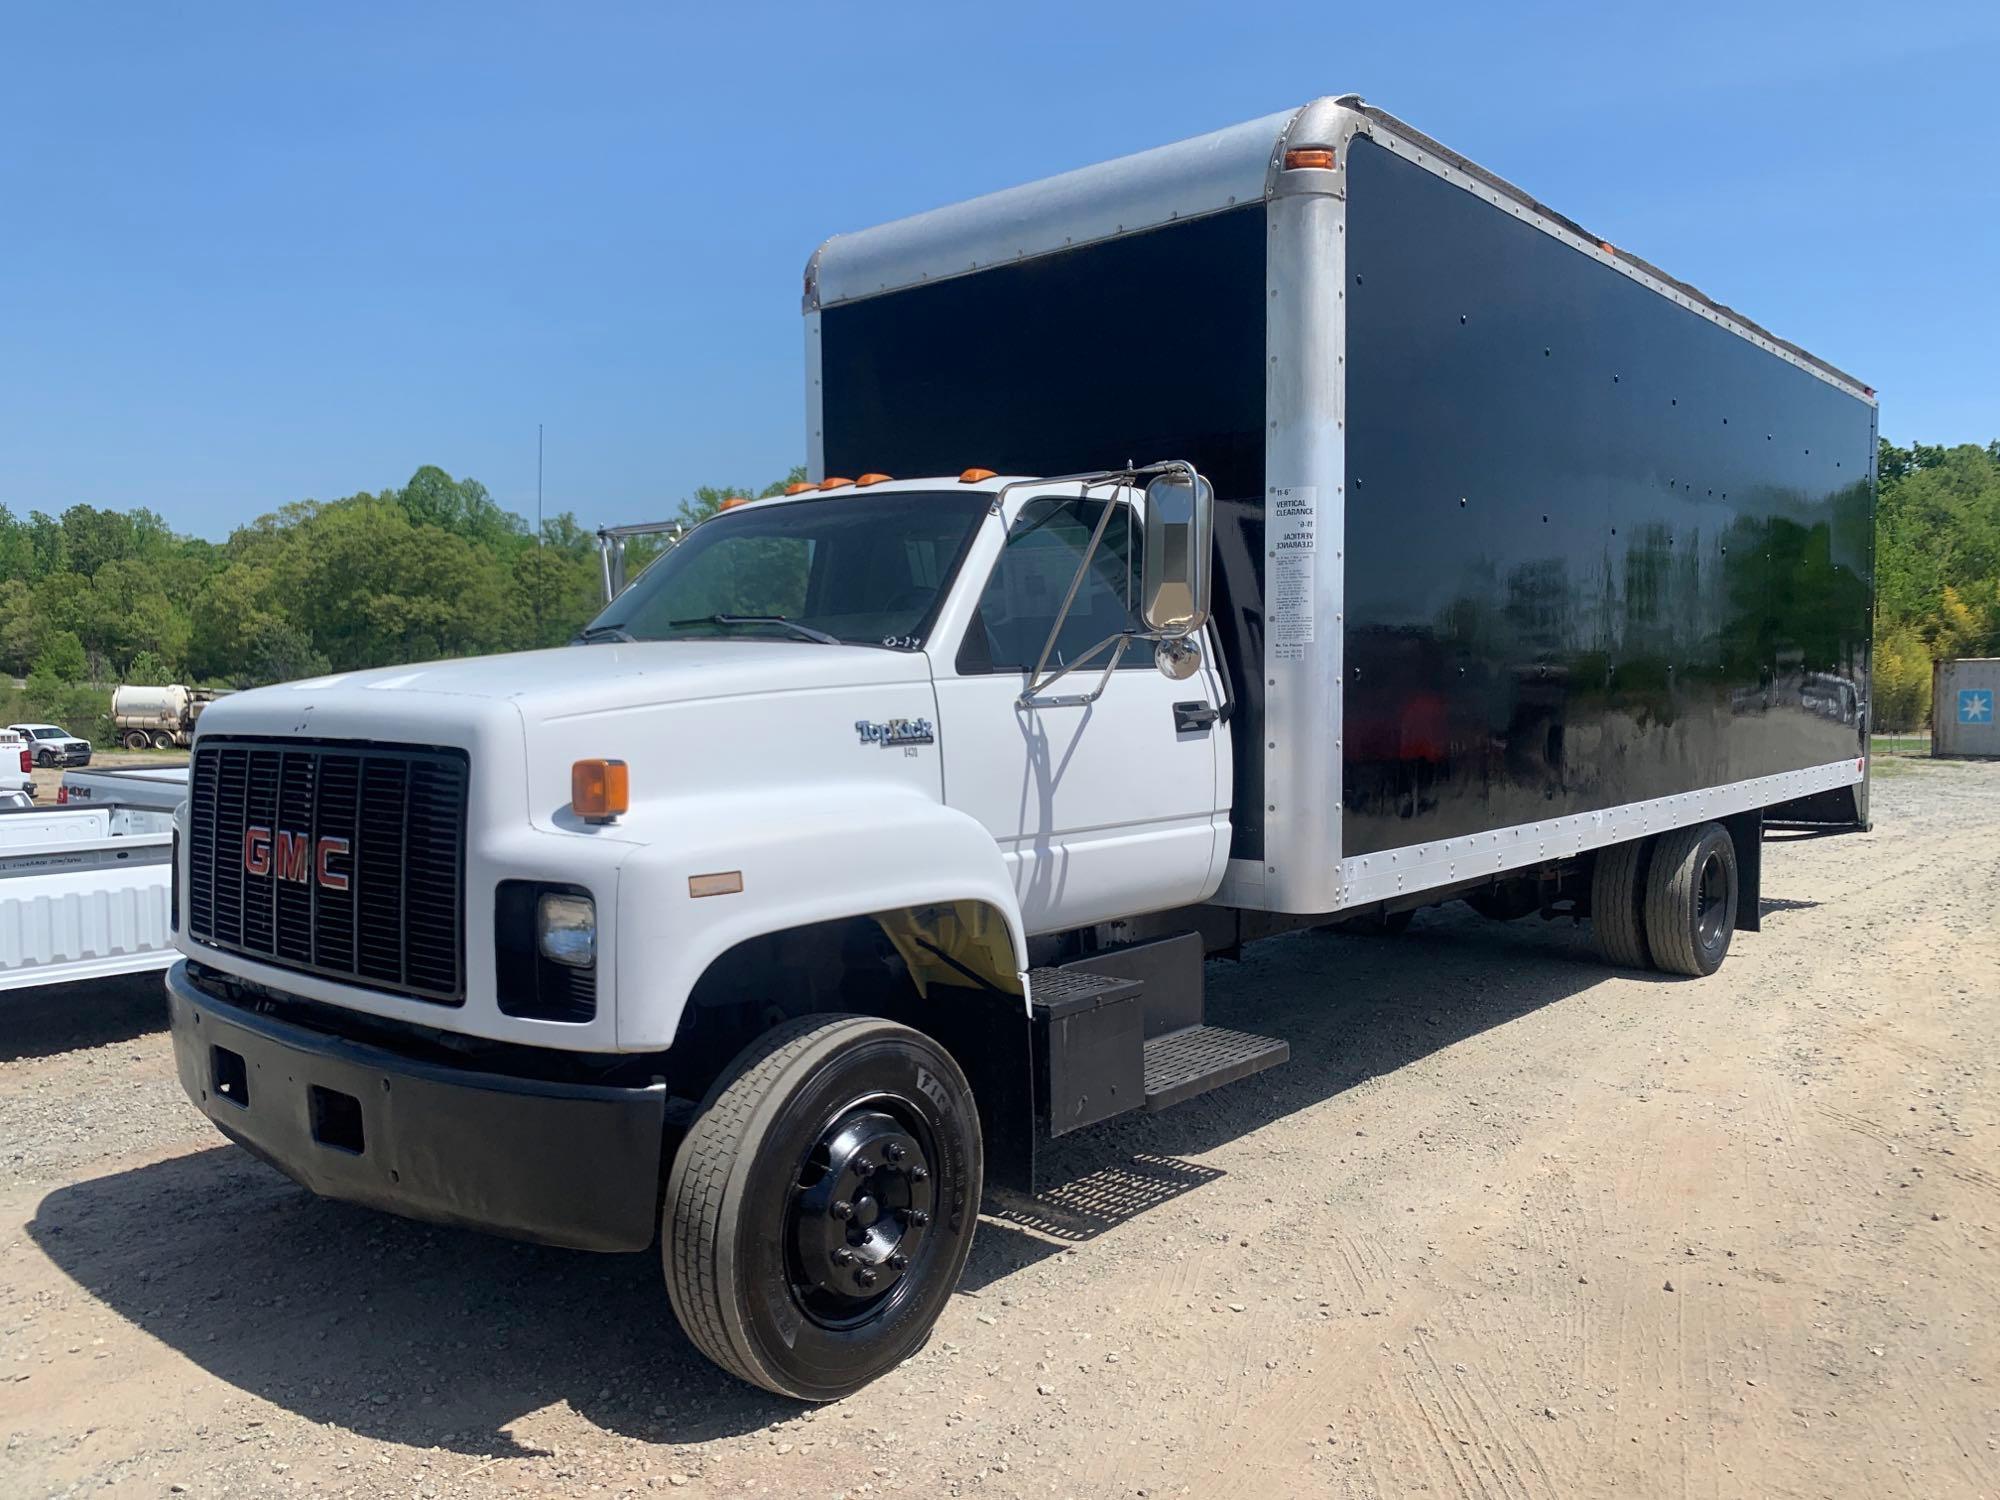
{"x":1667,"y":902}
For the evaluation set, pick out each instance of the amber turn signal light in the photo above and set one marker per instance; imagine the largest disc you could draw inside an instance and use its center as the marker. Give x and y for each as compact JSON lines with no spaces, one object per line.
{"x":1309,"y":156}
{"x":599,"y":790}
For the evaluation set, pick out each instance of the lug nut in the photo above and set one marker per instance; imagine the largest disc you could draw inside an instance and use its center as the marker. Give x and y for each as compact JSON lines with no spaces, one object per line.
{"x":863,"y":1165}
{"x":899,"y":1262}
{"x":920,"y":1174}
{"x":843,"y":1256}
{"x":865,"y":1276}
{"x":919,"y":1218}
{"x":842,"y":1209}
{"x":893,"y":1151}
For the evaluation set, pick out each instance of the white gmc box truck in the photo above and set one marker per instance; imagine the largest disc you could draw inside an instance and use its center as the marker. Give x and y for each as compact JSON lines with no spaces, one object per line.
{"x":1293,"y":525}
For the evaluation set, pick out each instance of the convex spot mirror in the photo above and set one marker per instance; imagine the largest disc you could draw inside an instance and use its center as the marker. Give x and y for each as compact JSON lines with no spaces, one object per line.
{"x":1174,"y":554}
{"x":1178,"y":660}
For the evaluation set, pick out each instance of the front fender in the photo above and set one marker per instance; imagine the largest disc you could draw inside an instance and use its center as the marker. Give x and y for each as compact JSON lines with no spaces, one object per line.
{"x":843,"y":850}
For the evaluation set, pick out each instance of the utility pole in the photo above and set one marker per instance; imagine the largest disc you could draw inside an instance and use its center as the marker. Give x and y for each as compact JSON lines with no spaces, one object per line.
{"x":539,"y":581}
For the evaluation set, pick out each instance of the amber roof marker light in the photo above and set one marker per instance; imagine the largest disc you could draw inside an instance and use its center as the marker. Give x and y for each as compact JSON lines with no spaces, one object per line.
{"x":799,"y":488}
{"x":834,"y":484}
{"x":976,"y":476}
{"x":1313,"y":157}
{"x":867,"y":479}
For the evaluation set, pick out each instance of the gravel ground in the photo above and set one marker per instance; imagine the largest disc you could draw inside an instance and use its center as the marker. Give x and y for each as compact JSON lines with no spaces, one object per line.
{"x":1509,"y":1224}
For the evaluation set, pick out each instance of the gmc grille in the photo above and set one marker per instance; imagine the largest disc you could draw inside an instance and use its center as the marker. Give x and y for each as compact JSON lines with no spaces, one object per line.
{"x":385,"y":908}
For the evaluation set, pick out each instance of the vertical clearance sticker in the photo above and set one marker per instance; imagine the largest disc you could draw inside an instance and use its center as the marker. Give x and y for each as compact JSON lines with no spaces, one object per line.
{"x":1292,"y":525}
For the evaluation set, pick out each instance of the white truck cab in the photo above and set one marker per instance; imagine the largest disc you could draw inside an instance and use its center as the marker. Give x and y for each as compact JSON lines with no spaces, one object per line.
{"x":459,"y":935}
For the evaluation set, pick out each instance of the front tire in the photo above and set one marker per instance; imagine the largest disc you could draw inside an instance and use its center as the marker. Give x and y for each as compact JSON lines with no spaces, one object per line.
{"x":1691,"y":899}
{"x":822,"y":1204}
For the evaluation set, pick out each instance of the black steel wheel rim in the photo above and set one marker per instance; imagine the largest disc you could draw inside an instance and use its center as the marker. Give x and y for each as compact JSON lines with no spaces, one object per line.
{"x":1711,"y":899}
{"x":859,"y":1227}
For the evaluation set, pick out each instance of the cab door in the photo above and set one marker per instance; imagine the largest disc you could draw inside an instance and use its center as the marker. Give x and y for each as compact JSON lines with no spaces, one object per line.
{"x":1101,"y":810}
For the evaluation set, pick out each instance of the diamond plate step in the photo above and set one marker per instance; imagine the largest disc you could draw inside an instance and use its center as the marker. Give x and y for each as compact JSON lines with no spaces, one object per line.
{"x":1182,"y":1064}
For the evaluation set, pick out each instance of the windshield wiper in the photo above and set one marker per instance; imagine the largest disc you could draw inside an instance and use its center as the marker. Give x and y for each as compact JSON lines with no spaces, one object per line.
{"x":803,"y":632}
{"x":591,"y":633}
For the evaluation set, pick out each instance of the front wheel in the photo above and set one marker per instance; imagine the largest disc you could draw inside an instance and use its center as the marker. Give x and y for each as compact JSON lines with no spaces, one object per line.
{"x":45,"y":757}
{"x":822,"y":1204}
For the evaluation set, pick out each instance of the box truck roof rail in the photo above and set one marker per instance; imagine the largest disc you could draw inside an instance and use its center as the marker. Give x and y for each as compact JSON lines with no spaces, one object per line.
{"x":1206,"y":174}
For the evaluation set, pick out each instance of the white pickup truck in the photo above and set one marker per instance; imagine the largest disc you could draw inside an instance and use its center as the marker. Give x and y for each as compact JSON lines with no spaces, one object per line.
{"x":877,"y":833}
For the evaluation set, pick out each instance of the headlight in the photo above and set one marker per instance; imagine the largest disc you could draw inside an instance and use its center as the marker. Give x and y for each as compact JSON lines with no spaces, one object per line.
{"x":566,"y":929}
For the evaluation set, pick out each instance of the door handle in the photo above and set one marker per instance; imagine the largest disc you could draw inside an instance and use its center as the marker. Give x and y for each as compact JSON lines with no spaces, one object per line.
{"x":1192,"y":718}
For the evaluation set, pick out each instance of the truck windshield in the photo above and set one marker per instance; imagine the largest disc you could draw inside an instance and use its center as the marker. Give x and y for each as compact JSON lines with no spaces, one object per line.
{"x":861,"y":569}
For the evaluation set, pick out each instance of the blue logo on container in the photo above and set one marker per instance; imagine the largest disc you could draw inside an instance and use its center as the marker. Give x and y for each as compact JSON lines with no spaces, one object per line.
{"x":1975,"y":705}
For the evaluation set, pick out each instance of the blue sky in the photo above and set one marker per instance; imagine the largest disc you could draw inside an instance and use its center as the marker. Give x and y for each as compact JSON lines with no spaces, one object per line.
{"x":251,"y":253}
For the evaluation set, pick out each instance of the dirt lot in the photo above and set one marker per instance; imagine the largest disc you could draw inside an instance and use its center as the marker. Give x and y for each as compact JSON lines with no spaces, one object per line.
{"x":1509,"y":1224}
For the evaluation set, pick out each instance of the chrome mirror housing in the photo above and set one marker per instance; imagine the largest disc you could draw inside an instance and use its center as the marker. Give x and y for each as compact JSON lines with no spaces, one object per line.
{"x":1175,"y":552}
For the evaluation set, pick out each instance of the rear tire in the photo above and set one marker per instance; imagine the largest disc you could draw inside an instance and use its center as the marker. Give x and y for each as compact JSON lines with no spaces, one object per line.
{"x":1616,"y":888}
{"x":137,"y":739}
{"x":162,"y":740}
{"x":822,"y":1204}
{"x":1691,"y":899}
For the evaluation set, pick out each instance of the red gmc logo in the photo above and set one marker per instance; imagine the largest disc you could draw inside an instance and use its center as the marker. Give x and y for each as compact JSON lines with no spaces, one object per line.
{"x":285,"y":856}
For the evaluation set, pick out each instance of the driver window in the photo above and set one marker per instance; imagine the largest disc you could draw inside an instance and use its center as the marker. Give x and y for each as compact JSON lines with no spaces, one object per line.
{"x":1026,"y":589}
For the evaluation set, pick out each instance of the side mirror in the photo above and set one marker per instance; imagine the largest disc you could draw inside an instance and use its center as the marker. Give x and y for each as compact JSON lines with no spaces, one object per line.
{"x":1175,"y":553}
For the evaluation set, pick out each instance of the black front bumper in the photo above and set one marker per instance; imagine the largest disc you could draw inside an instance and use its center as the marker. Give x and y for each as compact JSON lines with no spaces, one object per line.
{"x":557,"y":1163}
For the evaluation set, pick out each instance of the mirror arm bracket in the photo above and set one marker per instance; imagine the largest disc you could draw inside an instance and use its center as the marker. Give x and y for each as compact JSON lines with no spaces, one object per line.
{"x":1032,"y":694}
{"x":1069,"y":598}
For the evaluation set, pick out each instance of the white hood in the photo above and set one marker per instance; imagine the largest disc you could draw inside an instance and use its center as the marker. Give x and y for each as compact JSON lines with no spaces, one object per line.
{"x":579,"y":679}
{"x":686,"y":715}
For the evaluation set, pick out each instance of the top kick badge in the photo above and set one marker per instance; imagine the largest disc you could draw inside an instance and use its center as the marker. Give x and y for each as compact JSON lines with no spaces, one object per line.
{"x":895,"y":732}
{"x":285,"y":857}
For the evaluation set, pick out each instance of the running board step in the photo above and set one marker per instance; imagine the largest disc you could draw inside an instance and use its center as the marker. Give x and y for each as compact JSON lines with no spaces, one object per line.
{"x":1192,"y":1061}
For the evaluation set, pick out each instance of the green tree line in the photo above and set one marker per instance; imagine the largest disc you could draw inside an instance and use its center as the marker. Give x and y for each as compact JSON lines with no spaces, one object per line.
{"x":438,"y":568}
{"x":1937,"y":570}
{"x":435,"y":568}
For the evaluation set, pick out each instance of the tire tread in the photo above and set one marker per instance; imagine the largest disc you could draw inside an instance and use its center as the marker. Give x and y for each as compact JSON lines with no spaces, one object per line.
{"x":1614,"y":905}
{"x":697,"y":1186}
{"x":1670,"y":899}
